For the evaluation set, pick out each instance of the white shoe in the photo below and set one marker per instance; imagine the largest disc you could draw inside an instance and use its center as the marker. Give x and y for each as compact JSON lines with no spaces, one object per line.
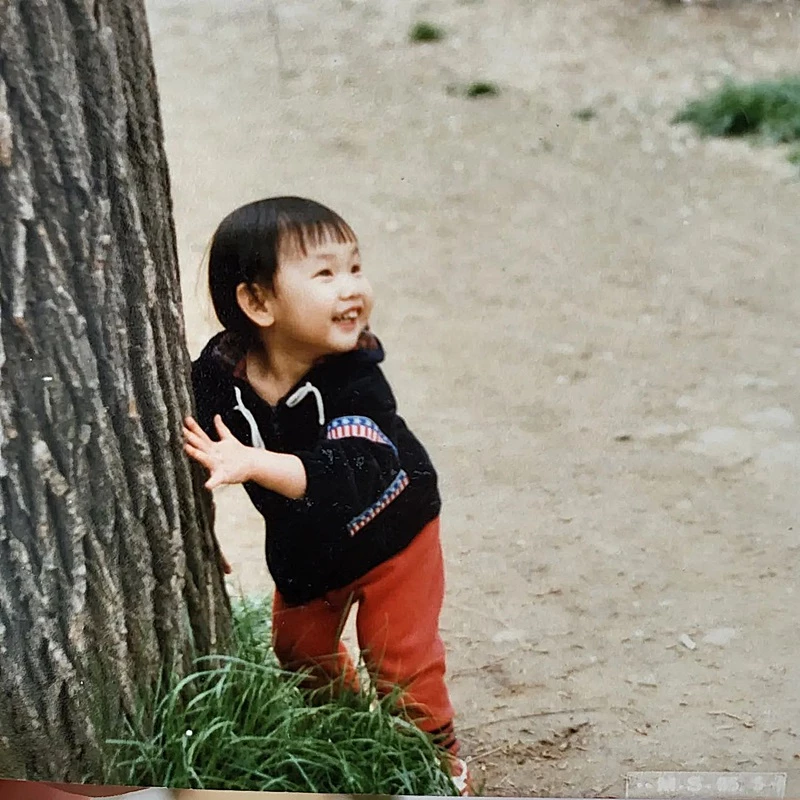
{"x":459,"y":774}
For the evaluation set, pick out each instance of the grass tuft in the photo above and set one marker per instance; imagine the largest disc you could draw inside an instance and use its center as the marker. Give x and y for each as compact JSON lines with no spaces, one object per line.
{"x":482,"y":88}
{"x":585,"y":114}
{"x":240,"y":723}
{"x":426,"y":32}
{"x":769,"y":110}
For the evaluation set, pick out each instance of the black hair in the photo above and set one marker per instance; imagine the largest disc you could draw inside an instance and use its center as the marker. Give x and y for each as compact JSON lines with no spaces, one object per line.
{"x":248,"y":243}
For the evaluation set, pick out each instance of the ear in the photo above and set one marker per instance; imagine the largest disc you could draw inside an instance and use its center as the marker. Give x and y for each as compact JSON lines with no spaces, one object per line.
{"x":255,"y":302}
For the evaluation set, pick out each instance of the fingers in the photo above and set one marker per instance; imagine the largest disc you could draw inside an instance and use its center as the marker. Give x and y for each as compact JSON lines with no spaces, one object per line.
{"x":191,"y":424}
{"x":205,"y":460}
{"x":214,"y":481}
{"x":194,"y":440}
{"x":222,"y":428}
{"x":198,"y":455}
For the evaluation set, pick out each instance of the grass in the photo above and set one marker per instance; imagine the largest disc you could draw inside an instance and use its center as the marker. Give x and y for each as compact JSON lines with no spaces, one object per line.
{"x":766,"y":110}
{"x":482,"y":88}
{"x":585,"y":114}
{"x":426,"y":32}
{"x":240,"y":723}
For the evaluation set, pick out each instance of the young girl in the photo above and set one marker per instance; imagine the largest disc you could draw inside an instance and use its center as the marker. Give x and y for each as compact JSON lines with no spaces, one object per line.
{"x":292,"y":403}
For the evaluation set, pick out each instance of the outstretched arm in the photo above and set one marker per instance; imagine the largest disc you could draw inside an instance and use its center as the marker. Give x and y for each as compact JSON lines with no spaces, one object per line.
{"x":229,"y":461}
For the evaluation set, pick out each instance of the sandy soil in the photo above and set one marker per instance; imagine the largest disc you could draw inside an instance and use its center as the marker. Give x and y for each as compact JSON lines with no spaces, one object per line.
{"x":591,"y":324}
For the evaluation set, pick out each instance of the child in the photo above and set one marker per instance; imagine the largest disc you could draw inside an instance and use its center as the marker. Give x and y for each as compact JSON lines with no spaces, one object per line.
{"x":291,"y":403}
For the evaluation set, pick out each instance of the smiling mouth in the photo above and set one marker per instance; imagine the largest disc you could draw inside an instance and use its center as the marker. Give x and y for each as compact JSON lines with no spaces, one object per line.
{"x":348,"y":316}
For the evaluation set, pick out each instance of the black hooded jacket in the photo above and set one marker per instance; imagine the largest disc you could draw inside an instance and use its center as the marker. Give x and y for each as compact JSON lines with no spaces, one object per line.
{"x":371,"y":487}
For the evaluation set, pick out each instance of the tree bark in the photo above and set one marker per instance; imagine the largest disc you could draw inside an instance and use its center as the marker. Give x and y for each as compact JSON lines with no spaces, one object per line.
{"x":109,"y":569}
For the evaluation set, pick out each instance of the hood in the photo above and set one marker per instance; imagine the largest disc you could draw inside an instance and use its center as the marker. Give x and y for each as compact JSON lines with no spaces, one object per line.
{"x":223,"y":355}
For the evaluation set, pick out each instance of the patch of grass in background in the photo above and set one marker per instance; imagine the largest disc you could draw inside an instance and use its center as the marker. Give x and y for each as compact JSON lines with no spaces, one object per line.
{"x":767,"y":110}
{"x":239,"y":722}
{"x":584,"y":114}
{"x":426,"y":32}
{"x":482,"y":89}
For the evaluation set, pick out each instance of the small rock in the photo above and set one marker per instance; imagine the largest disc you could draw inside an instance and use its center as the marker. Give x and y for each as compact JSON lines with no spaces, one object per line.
{"x":770,"y":419}
{"x":687,"y":641}
{"x":508,"y":635}
{"x":720,"y":636}
{"x":642,"y":680}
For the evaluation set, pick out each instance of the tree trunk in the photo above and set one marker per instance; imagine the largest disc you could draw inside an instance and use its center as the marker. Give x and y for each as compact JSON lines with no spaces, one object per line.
{"x":109,"y":569}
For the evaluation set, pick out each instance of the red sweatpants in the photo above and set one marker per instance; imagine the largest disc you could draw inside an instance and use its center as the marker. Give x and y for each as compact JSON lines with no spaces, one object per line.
{"x":397,"y":621}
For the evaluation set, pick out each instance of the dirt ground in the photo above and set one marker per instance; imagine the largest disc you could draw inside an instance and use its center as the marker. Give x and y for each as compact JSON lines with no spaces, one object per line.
{"x":591,"y":323}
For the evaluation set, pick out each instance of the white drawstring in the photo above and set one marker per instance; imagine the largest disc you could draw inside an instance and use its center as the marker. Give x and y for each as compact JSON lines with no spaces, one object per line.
{"x":304,"y":391}
{"x":255,"y":434}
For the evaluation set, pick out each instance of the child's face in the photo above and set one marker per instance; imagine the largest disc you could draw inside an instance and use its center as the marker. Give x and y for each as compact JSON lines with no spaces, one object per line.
{"x":322,"y":301}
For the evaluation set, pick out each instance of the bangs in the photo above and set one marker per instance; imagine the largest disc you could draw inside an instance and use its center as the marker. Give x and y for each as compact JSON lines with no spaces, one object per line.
{"x":296,"y":237}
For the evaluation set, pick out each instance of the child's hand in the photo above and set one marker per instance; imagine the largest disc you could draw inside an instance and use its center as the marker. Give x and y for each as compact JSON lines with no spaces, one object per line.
{"x":228,"y":460}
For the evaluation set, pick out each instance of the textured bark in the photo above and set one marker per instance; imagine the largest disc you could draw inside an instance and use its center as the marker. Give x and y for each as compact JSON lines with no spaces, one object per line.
{"x":108,"y":564}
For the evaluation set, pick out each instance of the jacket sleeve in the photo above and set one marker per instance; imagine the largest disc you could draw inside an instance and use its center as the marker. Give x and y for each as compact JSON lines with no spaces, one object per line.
{"x":204,"y":410}
{"x":207,"y":392}
{"x":353,"y":472}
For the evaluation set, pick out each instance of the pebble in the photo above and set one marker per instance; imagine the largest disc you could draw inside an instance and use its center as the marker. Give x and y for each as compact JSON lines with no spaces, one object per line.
{"x":508,"y":635}
{"x":687,"y":641}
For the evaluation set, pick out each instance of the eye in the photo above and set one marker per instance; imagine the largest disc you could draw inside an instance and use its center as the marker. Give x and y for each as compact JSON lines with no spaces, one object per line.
{"x":324,"y":273}
{"x":355,"y":269}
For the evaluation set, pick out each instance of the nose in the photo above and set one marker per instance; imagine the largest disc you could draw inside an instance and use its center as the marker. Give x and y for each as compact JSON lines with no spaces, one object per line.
{"x":350,"y":286}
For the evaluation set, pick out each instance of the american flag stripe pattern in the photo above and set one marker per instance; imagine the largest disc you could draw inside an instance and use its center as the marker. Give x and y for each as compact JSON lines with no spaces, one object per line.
{"x":358,"y":427}
{"x":394,"y":490}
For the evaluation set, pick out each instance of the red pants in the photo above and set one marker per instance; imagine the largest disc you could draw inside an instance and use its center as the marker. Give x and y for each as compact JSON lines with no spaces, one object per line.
{"x":399,"y":603}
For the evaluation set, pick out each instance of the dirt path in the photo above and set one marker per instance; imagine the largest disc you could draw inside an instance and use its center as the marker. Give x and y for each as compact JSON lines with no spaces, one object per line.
{"x":592,"y":324}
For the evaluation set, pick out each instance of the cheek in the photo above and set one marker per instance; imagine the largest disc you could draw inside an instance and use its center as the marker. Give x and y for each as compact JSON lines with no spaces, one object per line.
{"x":310,"y":298}
{"x":369,"y":297}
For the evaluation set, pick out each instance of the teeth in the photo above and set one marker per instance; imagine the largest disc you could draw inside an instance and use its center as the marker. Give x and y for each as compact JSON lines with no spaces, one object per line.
{"x":349,"y":315}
